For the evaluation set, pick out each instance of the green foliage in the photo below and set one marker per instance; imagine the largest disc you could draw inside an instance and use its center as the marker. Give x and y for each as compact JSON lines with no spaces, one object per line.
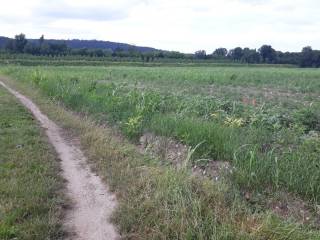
{"x":309,"y":117}
{"x":192,"y":132}
{"x":133,"y":127}
{"x":249,"y":116}
{"x":119,"y":52}
{"x":30,"y":185}
{"x":37,"y":77}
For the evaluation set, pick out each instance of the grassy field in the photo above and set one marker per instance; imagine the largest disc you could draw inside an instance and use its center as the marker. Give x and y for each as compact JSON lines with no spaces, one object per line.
{"x":264,"y":121}
{"x":76,"y":60}
{"x":30,"y":187}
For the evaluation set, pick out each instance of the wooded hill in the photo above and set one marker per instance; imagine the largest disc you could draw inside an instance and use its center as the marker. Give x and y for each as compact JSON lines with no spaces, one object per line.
{"x":89,"y":44}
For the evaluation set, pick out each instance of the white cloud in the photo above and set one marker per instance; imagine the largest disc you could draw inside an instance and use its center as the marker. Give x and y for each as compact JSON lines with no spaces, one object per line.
{"x":185,"y":25}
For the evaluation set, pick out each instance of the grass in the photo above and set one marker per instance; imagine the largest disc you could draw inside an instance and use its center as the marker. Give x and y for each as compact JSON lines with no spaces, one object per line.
{"x":247,"y":116}
{"x":159,"y":202}
{"x":31,"y":60}
{"x":30,"y":187}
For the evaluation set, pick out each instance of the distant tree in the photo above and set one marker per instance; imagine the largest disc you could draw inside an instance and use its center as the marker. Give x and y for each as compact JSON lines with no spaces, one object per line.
{"x":148,"y":56}
{"x":93,"y":52}
{"x":236,"y":54}
{"x":17,"y":44}
{"x":108,"y":52}
{"x":31,"y":48}
{"x":309,"y":57}
{"x":10,"y":46}
{"x":56,"y":49}
{"x":220,"y":52}
{"x":250,"y":56}
{"x":20,"y":42}
{"x":316,"y":58}
{"x":288,"y":58}
{"x":173,"y":54}
{"x":99,"y":53}
{"x":81,"y":52}
{"x":200,"y":54}
{"x":41,"y":40}
{"x":45,"y":49}
{"x":119,"y":52}
{"x":133,"y":52}
{"x":159,"y":54}
{"x":268,"y":54}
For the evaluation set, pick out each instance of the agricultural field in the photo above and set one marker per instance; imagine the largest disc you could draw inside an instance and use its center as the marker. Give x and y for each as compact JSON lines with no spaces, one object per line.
{"x":263,"y":123}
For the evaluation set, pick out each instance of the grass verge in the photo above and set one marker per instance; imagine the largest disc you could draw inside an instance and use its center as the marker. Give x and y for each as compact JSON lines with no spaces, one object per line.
{"x":30,"y":186}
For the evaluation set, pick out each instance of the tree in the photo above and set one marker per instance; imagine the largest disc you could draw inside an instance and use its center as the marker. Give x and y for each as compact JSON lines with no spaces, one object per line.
{"x":20,"y":42}
{"x":200,"y":54}
{"x":250,"y":56}
{"x":309,"y":57}
{"x":98,"y":53}
{"x":17,"y":44}
{"x":306,"y":57}
{"x":316,"y":58}
{"x":119,"y":52}
{"x":56,"y":49}
{"x":45,"y":49}
{"x":267,"y":53}
{"x":148,"y":56}
{"x":31,"y":48}
{"x":173,"y":54}
{"x":81,"y":51}
{"x":236,"y":54}
{"x":220,"y":52}
{"x":10,"y":46}
{"x":133,"y":52}
{"x":288,"y":58}
{"x":41,"y":40}
{"x":159,"y":54}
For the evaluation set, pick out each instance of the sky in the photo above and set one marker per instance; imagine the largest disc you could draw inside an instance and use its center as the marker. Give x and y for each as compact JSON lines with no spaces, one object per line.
{"x":181,"y":25}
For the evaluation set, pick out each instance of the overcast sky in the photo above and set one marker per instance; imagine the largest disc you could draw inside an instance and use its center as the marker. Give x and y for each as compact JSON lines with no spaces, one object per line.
{"x":183,"y":25}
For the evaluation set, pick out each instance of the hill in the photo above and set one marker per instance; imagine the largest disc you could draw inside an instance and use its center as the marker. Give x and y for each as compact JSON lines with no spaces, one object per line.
{"x":97,"y":44}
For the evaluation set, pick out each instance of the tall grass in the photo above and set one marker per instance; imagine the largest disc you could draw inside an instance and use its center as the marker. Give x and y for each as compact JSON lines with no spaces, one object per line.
{"x":268,"y":143}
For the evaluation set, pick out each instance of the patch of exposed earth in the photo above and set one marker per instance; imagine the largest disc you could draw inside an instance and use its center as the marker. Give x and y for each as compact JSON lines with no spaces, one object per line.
{"x":284,"y":205}
{"x":177,"y":154}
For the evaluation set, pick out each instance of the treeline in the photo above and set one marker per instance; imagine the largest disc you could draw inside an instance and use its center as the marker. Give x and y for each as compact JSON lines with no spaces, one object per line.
{"x":265,"y":54}
{"x":21,"y":45}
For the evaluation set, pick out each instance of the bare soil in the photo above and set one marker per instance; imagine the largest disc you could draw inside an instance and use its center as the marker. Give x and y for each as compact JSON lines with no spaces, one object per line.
{"x":176,"y":153}
{"x":92,"y":203}
{"x":166,"y":148}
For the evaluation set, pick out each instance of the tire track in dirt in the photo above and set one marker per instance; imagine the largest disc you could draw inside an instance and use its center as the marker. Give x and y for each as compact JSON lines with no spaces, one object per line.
{"x":88,"y":218}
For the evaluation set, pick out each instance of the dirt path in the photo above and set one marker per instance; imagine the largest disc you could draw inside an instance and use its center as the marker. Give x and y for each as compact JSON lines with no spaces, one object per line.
{"x":93,"y":204}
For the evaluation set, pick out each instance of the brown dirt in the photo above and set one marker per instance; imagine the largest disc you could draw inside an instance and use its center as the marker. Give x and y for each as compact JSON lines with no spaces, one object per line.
{"x":176,"y":153}
{"x":291,"y":207}
{"x":215,"y":170}
{"x":93,"y":204}
{"x":165,"y":148}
